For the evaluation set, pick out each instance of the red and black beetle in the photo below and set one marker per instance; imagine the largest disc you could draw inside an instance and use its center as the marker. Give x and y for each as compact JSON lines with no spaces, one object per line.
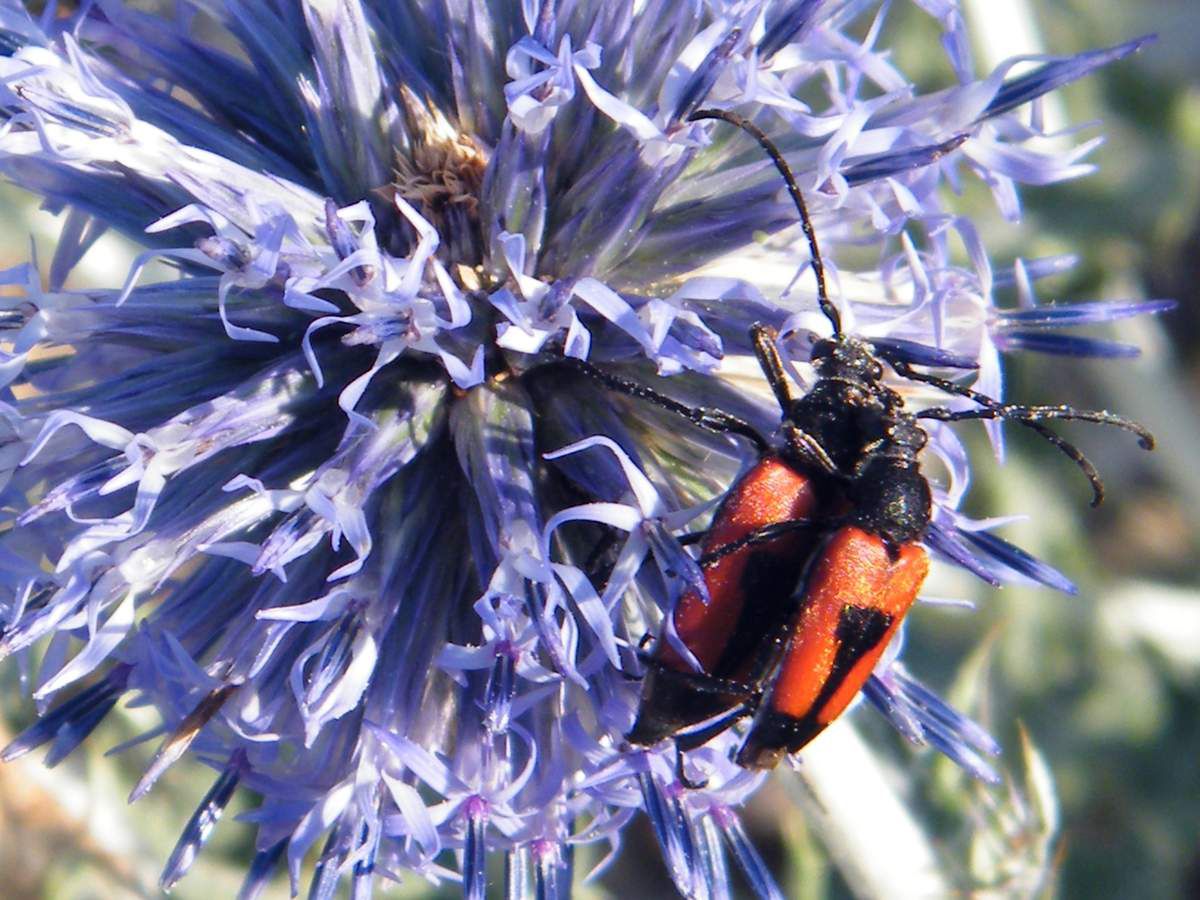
{"x":739,"y":631}
{"x":815,"y":555}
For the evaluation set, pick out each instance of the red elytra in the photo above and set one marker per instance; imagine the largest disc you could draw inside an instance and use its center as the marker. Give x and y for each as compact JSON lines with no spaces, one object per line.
{"x":772,"y":492}
{"x":736,"y":636}
{"x":856,"y":594}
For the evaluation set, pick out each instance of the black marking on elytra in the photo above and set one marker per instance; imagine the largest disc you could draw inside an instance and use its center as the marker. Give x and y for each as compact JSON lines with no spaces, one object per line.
{"x":775,"y":734}
{"x":860,"y":629}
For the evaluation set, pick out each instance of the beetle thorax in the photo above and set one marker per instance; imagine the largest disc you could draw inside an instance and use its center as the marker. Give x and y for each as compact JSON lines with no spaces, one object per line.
{"x":848,"y":359}
{"x":891,"y":498}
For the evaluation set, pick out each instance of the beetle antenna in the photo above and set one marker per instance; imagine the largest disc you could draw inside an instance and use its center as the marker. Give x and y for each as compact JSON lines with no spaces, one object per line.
{"x":1021,"y":413}
{"x":827,"y":307}
{"x":942,"y":414}
{"x":1030,"y":417}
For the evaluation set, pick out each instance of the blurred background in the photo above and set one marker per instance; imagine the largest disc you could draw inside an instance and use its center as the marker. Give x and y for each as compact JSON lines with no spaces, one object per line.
{"x":1096,"y":698}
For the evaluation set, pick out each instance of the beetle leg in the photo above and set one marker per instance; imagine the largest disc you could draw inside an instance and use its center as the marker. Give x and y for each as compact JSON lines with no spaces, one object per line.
{"x":704,"y":417}
{"x":763,"y":535}
{"x":681,"y":775}
{"x":702,"y":682}
{"x":807,"y":448}
{"x":693,"y":740}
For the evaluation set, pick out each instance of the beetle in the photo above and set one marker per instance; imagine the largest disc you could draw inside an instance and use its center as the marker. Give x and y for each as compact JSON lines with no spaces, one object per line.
{"x":815,"y":554}
{"x":717,"y":649}
{"x":752,"y":555}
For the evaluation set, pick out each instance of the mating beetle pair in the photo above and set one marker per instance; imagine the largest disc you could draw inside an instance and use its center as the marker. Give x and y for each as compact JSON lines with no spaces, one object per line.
{"x":814,"y":556}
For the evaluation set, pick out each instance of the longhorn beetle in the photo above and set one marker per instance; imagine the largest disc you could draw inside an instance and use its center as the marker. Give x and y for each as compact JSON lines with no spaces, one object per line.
{"x":814,"y":556}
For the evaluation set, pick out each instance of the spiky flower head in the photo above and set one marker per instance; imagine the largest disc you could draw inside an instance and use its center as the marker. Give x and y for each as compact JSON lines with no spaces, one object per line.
{"x":328,"y":496}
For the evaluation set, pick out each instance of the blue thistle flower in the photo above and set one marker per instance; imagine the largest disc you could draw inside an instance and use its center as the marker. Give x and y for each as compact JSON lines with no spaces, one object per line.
{"x":326,"y":500}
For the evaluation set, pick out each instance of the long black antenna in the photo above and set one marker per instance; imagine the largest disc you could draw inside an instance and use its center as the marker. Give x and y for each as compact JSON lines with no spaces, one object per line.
{"x":767,"y":144}
{"x":1030,"y":417}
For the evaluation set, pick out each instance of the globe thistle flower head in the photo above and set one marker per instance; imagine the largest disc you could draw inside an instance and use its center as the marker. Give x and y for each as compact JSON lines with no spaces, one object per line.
{"x":332,"y":497}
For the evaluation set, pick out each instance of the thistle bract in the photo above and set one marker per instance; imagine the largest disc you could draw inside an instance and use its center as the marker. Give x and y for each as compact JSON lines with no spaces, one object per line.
{"x":328,"y":498}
